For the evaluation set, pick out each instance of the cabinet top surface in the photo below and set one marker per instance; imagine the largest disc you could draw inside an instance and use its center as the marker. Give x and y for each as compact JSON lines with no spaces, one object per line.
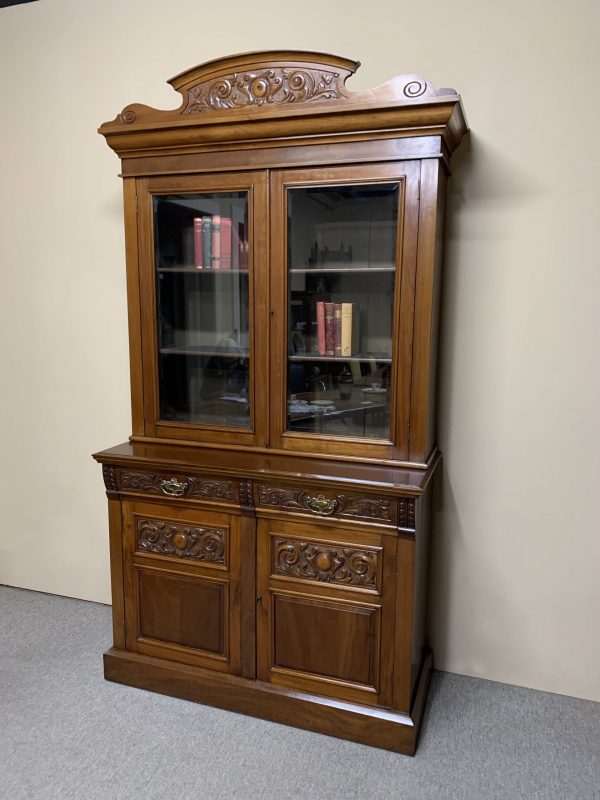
{"x":257,"y":465}
{"x":274,"y":94}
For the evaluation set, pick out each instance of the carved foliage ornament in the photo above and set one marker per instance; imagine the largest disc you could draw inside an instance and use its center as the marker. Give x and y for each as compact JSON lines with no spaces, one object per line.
{"x":341,"y":504}
{"x":166,"y":538}
{"x":161,"y":484}
{"x":260,"y":87}
{"x":330,"y":564}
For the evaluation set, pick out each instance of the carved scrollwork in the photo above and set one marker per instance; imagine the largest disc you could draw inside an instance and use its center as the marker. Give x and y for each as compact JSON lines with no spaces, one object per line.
{"x":260,"y":87}
{"x":406,"y":513}
{"x":246,"y":494}
{"x":194,"y":487}
{"x":110,"y":478}
{"x":342,"y":505}
{"x":327,"y":563}
{"x":166,"y":538}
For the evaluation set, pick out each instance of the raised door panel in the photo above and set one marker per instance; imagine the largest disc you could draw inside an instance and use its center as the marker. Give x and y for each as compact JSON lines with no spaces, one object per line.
{"x":203,"y":307}
{"x":343,"y":255}
{"x":182,"y":585}
{"x":325,"y":622}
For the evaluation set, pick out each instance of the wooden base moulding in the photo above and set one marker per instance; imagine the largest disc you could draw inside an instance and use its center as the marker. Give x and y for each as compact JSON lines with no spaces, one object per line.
{"x":377,"y":727}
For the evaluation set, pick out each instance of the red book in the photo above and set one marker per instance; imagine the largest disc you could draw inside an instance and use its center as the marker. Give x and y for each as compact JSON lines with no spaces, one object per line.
{"x":329,"y":330}
{"x":215,"y":229}
{"x":226,"y":243}
{"x":337,"y":328}
{"x":198,"y":262}
{"x":321,"y":327}
{"x":235,"y":246}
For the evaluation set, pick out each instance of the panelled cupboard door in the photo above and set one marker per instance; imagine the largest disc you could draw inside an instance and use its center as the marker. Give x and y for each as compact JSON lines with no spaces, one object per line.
{"x":325,"y":619}
{"x":182,"y":584}
{"x":203,"y":297}
{"x":343,"y":252}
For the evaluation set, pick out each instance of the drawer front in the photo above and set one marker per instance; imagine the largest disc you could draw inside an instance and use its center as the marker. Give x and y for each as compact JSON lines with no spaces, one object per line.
{"x":176,"y":485}
{"x":327,"y":503}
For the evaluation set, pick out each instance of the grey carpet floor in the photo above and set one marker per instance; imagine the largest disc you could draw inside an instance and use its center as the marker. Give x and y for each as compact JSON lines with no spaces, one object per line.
{"x":65,"y":733}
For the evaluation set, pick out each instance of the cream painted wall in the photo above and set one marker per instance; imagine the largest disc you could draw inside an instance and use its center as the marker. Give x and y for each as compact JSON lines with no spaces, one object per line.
{"x":516,"y":556}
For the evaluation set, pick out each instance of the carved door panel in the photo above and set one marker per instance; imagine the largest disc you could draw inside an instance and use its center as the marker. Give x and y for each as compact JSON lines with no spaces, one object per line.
{"x":325,"y":620}
{"x":182,"y":584}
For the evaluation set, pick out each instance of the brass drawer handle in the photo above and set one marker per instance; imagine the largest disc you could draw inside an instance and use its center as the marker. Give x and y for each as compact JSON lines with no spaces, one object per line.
{"x":321,"y":505}
{"x":173,"y":487}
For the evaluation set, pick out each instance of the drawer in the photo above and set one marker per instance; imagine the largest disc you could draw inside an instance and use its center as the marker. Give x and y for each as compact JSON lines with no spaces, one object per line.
{"x":327,"y":503}
{"x":176,"y":485}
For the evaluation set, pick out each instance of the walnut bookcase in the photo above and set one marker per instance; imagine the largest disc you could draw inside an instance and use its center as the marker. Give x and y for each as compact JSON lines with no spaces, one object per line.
{"x":269,"y":514}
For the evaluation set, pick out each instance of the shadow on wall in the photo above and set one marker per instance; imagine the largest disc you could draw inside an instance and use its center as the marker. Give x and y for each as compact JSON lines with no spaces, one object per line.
{"x":489,"y":192}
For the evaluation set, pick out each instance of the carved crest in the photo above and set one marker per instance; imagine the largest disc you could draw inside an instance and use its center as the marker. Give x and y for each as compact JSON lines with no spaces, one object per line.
{"x":260,"y":87}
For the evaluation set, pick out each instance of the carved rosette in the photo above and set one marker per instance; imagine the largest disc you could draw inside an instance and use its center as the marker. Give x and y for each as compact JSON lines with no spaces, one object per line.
{"x":195,"y":487}
{"x":406,"y":513}
{"x":260,"y":87}
{"x":339,"y":504}
{"x":326,"y":563}
{"x":168,"y":539}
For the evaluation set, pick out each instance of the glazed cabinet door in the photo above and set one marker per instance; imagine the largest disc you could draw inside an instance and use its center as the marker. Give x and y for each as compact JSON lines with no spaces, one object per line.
{"x":182,"y":584}
{"x":202,"y":299}
{"x":325,"y":620}
{"x":343,"y":253}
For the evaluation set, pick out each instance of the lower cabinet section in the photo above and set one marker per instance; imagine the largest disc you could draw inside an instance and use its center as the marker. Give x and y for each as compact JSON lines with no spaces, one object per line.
{"x":300,"y":620}
{"x":182,"y":594}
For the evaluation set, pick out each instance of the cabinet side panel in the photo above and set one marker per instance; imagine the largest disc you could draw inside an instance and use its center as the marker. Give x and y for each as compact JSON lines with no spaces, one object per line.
{"x":133,"y":304}
{"x":420,"y":585}
{"x":431,"y":437}
{"x":427,"y":300}
{"x":116,"y":572}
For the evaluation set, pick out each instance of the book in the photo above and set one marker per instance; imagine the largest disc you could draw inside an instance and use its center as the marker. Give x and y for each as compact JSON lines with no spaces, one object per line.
{"x":321,"y":327}
{"x":206,"y":242}
{"x":337,"y":328}
{"x":198,"y":251}
{"x":215,"y":229}
{"x":226,"y":251}
{"x":235,"y":245}
{"x":350,"y":316}
{"x":329,"y":330}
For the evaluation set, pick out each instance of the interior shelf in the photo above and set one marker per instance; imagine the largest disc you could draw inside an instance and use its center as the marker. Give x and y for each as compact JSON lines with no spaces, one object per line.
{"x":337,"y":270}
{"x":373,"y":357}
{"x":191,"y":350}
{"x":204,"y":271}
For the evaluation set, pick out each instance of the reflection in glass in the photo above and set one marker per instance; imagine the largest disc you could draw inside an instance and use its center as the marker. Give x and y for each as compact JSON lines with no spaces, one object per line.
{"x":203,"y":322}
{"x":342,"y":243}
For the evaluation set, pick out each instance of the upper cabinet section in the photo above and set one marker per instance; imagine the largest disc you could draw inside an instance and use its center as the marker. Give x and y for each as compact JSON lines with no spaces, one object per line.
{"x":284,"y":244}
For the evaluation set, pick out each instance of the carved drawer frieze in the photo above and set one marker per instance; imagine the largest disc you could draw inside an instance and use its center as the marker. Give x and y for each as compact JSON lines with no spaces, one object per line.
{"x":340,"y":505}
{"x":183,"y":541}
{"x":172,"y":486}
{"x":349,"y":566}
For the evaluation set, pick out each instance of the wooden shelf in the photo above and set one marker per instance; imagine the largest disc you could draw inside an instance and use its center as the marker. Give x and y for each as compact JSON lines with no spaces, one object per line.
{"x":203,"y":351}
{"x":339,"y":270}
{"x":379,"y":359}
{"x":202,"y":271}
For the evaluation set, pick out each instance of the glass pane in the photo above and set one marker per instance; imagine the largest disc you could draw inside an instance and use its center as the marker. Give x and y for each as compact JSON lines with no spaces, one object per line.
{"x":203,"y":323}
{"x":342,"y":244}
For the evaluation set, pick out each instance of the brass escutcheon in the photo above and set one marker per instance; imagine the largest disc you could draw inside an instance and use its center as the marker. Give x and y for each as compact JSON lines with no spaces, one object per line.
{"x":321,"y":505}
{"x":173,"y":487}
